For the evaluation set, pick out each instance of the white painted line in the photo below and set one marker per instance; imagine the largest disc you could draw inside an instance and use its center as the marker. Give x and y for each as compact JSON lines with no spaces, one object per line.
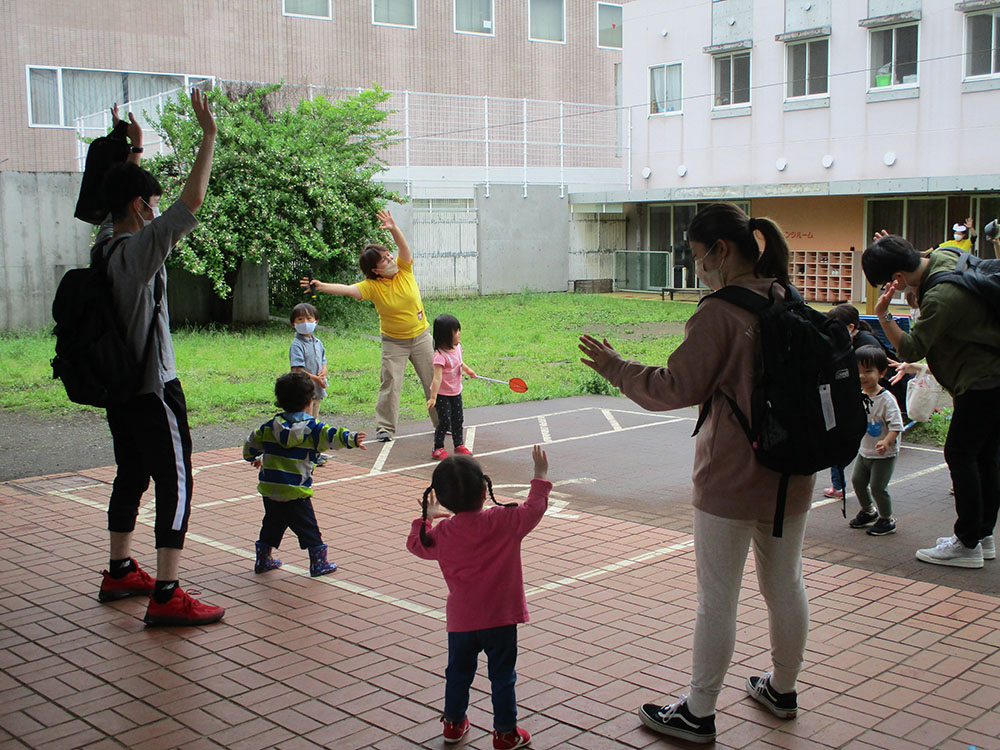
{"x":196,"y":469}
{"x":213,"y":503}
{"x":907,"y":478}
{"x":353,"y":588}
{"x":611,"y":420}
{"x":543,"y":425}
{"x":470,"y":437}
{"x":380,"y":460}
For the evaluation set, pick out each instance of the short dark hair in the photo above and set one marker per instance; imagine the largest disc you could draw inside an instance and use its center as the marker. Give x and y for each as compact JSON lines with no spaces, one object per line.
{"x":303,"y":308}
{"x":294,"y":391}
{"x":444,"y":331}
{"x":848,"y":315}
{"x":123,"y":183}
{"x":886,"y":256}
{"x":369,"y":258}
{"x":872,"y":356}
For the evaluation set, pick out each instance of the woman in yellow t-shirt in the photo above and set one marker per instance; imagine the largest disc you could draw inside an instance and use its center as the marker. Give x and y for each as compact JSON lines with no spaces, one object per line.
{"x":389,"y":283}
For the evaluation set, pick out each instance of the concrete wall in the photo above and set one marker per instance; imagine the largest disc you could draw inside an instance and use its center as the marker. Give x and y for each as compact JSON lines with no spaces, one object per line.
{"x":39,"y":241}
{"x":523,"y":242}
{"x":593,"y":240}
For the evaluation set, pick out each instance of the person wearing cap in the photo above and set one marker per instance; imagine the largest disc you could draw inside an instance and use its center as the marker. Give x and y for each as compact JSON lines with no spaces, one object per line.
{"x":964,"y":237}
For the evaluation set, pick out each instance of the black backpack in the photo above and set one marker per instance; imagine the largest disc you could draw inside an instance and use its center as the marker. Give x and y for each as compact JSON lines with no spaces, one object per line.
{"x":807,"y":409}
{"x":979,"y":276}
{"x":102,"y":154}
{"x":93,"y":358}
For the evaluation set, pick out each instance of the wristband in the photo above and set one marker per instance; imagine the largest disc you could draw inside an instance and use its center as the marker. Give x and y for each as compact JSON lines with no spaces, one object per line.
{"x":136,"y":149}
{"x":887,"y":317}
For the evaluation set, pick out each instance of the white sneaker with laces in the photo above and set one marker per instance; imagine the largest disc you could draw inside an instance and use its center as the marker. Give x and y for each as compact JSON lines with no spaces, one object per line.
{"x":950,"y":551}
{"x":988,"y":545}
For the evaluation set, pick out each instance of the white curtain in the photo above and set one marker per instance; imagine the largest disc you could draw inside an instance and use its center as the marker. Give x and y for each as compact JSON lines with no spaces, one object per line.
{"x":86,"y":92}
{"x":474,"y":16}
{"x":44,"y":86}
{"x":546,"y":20}
{"x":674,"y":94}
{"x":400,"y":12}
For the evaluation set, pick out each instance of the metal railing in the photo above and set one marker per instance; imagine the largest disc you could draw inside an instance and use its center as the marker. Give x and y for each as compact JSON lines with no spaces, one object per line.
{"x":651,"y":271}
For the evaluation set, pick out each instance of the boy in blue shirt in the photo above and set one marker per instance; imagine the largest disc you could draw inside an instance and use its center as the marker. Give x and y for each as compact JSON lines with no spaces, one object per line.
{"x":285,"y":449}
{"x":307,"y":354}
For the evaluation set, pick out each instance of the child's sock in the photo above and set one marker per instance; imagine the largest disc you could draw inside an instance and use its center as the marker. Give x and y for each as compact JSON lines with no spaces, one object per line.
{"x":163,"y":590}
{"x":121,"y":568}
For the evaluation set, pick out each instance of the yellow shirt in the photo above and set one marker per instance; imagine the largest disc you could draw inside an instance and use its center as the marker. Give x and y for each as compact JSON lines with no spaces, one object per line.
{"x":962,"y":245}
{"x":397,"y":302}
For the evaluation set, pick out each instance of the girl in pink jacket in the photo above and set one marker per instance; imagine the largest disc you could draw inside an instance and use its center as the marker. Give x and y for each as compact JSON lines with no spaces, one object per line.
{"x":479,"y":551}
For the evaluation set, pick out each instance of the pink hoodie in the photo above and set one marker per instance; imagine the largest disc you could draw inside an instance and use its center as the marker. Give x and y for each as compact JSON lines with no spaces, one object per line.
{"x":480,"y":557}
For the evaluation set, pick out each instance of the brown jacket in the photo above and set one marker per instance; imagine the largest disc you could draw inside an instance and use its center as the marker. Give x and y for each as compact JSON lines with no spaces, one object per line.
{"x":717,"y":354}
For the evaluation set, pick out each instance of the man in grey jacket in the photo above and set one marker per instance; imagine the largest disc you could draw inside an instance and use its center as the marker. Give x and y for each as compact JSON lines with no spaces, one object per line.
{"x":150,"y":431}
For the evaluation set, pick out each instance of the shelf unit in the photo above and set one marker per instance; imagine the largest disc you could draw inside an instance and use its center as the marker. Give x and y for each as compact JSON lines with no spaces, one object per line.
{"x":823,"y":275}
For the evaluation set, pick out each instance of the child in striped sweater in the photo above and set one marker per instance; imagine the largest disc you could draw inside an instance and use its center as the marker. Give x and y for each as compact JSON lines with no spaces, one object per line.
{"x":285,"y":450}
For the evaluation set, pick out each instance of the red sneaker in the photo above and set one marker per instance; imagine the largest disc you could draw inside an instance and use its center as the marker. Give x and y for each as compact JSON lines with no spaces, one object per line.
{"x":137,"y":582}
{"x":509,"y":740}
{"x":454,"y":731}
{"x":831,"y":492}
{"x":182,"y":609}
{"x":463,"y":451}
{"x":440,"y":454}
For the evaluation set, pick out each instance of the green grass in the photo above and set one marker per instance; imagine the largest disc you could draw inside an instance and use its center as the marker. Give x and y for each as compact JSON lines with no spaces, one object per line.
{"x":228,"y":374}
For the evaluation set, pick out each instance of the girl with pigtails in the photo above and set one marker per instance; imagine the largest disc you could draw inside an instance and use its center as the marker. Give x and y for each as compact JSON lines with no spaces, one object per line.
{"x":479,"y":552}
{"x":734,"y":496}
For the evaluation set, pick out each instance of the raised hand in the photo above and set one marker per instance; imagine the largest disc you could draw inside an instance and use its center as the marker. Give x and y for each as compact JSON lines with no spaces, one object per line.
{"x":387,"y":222}
{"x":599,"y":353}
{"x":541,"y":462}
{"x":203,"y":112}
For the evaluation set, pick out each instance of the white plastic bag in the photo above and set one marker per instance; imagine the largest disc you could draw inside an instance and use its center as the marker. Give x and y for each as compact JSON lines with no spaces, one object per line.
{"x":922,"y":395}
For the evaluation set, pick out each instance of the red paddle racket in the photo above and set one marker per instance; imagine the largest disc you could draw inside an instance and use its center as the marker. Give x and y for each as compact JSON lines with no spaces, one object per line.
{"x":515,"y":384}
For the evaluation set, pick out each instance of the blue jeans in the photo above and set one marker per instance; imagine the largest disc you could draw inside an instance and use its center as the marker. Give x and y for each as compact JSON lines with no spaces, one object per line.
{"x":500,"y":645}
{"x":837,"y":477}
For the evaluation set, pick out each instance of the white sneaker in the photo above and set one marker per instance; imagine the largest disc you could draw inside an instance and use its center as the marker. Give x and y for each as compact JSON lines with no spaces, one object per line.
{"x":987,"y":543}
{"x":952,"y":552}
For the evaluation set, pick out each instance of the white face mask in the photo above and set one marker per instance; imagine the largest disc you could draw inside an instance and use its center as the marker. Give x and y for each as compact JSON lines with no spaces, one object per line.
{"x":390,"y":270}
{"x":959,"y":237}
{"x":156,"y":214}
{"x":305,"y":327}
{"x":712,"y":279}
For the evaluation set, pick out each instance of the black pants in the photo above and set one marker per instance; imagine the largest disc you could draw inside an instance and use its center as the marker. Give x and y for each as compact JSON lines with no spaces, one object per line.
{"x":450,"y":419}
{"x":152,"y":441}
{"x":972,"y":451}
{"x":297,"y":515}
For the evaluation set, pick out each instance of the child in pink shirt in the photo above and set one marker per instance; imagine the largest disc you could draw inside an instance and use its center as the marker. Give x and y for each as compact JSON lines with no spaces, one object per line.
{"x":446,"y":385}
{"x":479,"y":552}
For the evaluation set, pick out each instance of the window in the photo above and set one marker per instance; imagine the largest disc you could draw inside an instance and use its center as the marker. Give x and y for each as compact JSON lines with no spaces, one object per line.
{"x":395,"y":12}
{"x":609,"y":25}
{"x":893,"y":56}
{"x":307,"y":8}
{"x":547,"y":20}
{"x":732,"y":79}
{"x":665,"y":93}
{"x":982,"y":44}
{"x":58,"y":96}
{"x":808,"y":67}
{"x":474,"y":16}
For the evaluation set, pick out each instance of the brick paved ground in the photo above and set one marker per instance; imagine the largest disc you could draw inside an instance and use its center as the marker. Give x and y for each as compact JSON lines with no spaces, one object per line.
{"x":355,"y":660}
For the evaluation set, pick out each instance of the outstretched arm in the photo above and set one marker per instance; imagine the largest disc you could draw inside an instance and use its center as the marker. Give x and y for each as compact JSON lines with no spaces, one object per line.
{"x":345,"y":290}
{"x":193,"y":194}
{"x":389,"y":223}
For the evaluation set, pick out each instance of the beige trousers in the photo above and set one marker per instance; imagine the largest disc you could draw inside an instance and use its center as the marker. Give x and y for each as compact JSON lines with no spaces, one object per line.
{"x":395,"y":353}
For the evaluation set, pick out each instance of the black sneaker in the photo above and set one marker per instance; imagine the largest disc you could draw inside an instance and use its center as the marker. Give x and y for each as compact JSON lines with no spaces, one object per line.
{"x":675,"y":720}
{"x":782,"y":705}
{"x":383,"y":436}
{"x":864,"y":518}
{"x":882,"y":527}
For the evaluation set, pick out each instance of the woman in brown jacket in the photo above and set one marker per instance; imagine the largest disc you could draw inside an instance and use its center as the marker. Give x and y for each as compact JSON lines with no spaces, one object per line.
{"x":733,"y":495}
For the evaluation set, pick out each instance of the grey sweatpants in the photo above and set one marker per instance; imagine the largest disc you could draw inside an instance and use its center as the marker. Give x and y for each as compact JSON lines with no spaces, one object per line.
{"x":873,"y":474}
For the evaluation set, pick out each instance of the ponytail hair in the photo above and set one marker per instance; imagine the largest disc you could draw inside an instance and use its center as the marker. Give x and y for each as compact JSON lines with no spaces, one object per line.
{"x":726,"y":221}
{"x":457,"y":482}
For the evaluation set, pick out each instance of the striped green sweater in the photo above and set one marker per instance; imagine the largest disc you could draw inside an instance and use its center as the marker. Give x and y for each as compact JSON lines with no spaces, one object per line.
{"x":288,"y":447}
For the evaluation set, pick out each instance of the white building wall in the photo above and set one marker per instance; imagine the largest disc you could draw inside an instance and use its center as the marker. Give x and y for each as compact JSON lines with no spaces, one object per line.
{"x":943,"y":139}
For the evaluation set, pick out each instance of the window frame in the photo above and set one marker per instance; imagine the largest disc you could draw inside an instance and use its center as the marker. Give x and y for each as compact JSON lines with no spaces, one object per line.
{"x":547,"y":41}
{"x":493,"y":27}
{"x":328,"y":17}
{"x":597,"y":23}
{"x":59,"y":86}
{"x":649,"y":74}
{"x":715,"y":94}
{"x":994,"y":13}
{"x":396,"y":25}
{"x":892,"y":75}
{"x":788,"y":71}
